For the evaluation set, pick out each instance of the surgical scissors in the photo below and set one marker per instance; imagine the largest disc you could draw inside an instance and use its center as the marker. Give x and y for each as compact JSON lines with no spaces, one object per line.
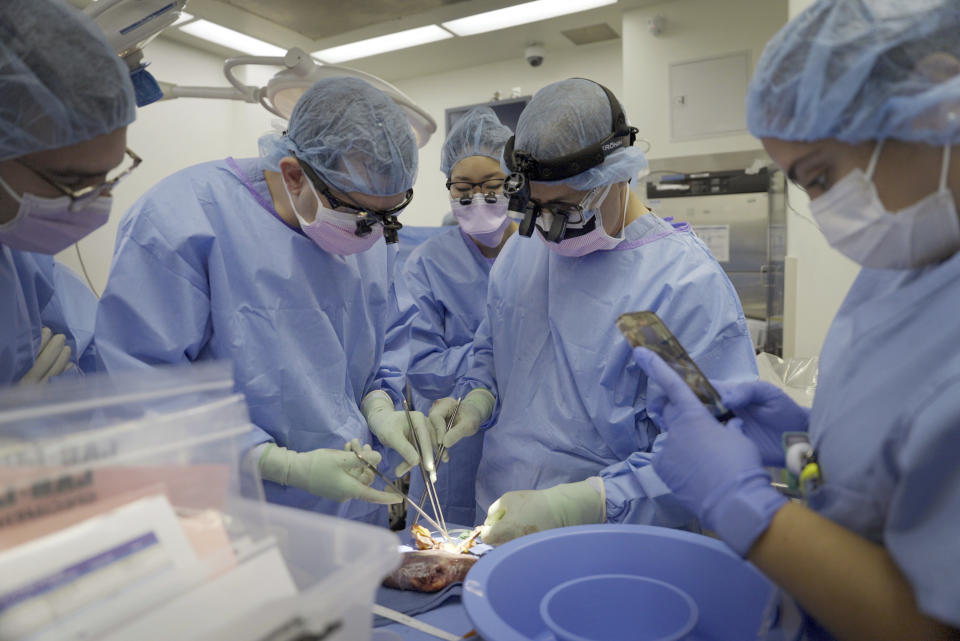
{"x":431,"y":489}
{"x":393,"y":487}
{"x":440,"y":453}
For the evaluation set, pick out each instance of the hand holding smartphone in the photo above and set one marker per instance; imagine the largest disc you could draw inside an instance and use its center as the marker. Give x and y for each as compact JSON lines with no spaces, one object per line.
{"x":645,"y":329}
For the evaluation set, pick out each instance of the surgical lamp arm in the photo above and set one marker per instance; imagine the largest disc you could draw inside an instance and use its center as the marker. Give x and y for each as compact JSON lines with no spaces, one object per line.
{"x":295,"y":58}
{"x":171,"y":91}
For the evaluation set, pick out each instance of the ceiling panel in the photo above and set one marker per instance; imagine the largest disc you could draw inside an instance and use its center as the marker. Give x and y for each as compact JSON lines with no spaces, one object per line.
{"x":318,"y":19}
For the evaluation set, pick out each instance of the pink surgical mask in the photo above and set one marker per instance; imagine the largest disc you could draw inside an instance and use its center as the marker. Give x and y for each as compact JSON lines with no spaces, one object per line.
{"x":483,"y":221}
{"x":595,"y":240}
{"x":335,"y":231}
{"x":47,"y":226}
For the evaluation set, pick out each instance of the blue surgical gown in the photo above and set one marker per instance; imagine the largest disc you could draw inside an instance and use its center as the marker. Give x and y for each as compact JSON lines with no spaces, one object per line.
{"x":204,"y":268}
{"x":886,"y":425}
{"x":39,"y":292}
{"x":447,"y":279}
{"x":570,"y":399}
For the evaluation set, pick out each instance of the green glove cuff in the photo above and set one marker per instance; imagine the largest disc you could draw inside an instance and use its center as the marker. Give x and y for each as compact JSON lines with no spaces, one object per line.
{"x":375,"y":402}
{"x":577,"y":503}
{"x":274,"y":463}
{"x":483,"y":401}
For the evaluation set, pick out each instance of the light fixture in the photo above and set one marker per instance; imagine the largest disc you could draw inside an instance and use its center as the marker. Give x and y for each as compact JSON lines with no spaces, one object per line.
{"x":283,"y":90}
{"x":184,"y":17}
{"x":520,"y":14}
{"x":129,"y":25}
{"x":231,"y":39}
{"x":383,"y":44}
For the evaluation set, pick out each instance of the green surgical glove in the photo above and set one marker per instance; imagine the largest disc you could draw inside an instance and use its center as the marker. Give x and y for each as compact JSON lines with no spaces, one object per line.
{"x":332,"y":474}
{"x":52,"y":360}
{"x":475,"y":410}
{"x":523,"y":512}
{"x":393,"y":429}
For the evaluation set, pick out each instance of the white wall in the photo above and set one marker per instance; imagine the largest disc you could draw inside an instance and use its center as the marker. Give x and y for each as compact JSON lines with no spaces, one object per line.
{"x":171,"y":135}
{"x":436,"y":92}
{"x":694,"y":29}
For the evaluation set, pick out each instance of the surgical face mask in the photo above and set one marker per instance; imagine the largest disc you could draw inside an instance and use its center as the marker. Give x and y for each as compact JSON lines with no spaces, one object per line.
{"x":47,"y":226}
{"x":335,"y":231}
{"x":482,"y":220}
{"x":596,"y":239}
{"x":855,"y":222}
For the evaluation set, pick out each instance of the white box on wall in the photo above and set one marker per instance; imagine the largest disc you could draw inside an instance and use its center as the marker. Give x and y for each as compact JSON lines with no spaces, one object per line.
{"x":707,"y":96}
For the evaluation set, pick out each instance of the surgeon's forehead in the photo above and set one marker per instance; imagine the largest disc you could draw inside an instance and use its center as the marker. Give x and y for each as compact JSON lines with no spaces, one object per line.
{"x":547,"y":192}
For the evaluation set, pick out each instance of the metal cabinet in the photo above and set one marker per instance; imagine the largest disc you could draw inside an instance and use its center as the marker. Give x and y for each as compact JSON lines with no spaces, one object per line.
{"x":740,"y":217}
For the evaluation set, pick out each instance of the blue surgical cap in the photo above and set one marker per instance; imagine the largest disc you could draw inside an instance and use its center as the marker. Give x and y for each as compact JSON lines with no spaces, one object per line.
{"x":478,"y":133}
{"x":567,"y":116}
{"x":60,"y":81}
{"x":859,"y":70}
{"x":352,"y":134}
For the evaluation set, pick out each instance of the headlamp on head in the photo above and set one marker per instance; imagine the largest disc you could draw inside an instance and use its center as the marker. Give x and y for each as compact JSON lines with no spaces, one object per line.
{"x":527,"y":168}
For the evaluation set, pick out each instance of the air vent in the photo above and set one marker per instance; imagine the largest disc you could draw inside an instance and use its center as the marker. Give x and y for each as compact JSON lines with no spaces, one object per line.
{"x":593,"y":33}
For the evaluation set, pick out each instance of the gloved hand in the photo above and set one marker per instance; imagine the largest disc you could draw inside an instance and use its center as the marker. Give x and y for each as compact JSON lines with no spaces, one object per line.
{"x":713,"y":469}
{"x":522,"y":512}
{"x":475,"y":410}
{"x":332,"y":474}
{"x":392,"y":428}
{"x":767,"y":412}
{"x":53,"y":358}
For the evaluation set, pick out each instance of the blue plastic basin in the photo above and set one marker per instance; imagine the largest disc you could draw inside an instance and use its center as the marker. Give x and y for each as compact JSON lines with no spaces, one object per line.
{"x":604,"y":608}
{"x":503,"y":591}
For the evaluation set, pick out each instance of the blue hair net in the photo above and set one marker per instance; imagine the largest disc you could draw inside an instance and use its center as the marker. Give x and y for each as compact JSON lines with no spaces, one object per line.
{"x":478,"y":133}
{"x":567,"y":116}
{"x":60,"y":82}
{"x":356,"y":138}
{"x":858,"y":70}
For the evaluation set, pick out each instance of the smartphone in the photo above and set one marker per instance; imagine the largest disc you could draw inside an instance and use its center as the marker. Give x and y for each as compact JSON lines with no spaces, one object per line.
{"x":645,"y":329}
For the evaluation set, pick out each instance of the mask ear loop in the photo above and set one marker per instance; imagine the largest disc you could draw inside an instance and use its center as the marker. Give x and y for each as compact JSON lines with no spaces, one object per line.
{"x":300,"y":219}
{"x":7,"y":188}
{"x":945,"y":167}
{"x":623,"y":218}
{"x":872,"y":166}
{"x":622,"y":234}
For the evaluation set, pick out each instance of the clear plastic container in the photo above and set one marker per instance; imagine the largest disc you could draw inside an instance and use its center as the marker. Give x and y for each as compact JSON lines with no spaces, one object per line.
{"x":126,"y":512}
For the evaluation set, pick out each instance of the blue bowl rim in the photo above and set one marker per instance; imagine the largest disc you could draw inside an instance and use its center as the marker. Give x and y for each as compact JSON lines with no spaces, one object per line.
{"x":488,"y":622}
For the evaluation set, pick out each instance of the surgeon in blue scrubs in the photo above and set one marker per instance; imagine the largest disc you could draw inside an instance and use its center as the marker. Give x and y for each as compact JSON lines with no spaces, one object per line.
{"x":859,"y":102}
{"x":65,"y":103}
{"x":279,"y":263}
{"x":551,"y":377}
{"x":447,"y":278}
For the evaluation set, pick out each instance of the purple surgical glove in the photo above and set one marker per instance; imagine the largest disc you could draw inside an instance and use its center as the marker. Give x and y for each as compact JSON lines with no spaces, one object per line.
{"x":767,"y":412}
{"x":713,"y":469}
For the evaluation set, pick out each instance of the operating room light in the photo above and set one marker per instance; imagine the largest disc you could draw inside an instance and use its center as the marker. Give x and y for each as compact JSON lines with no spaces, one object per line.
{"x":520,"y":14}
{"x":382,"y":44}
{"x":229,"y":38}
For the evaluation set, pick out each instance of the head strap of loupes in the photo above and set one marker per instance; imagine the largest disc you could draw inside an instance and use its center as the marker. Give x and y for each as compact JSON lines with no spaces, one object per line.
{"x":525,"y":168}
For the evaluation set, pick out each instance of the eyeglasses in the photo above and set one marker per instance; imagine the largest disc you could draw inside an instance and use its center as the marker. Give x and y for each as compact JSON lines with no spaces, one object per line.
{"x":366,"y":217}
{"x":573,"y":213}
{"x":83,"y":197}
{"x":460,"y":188}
